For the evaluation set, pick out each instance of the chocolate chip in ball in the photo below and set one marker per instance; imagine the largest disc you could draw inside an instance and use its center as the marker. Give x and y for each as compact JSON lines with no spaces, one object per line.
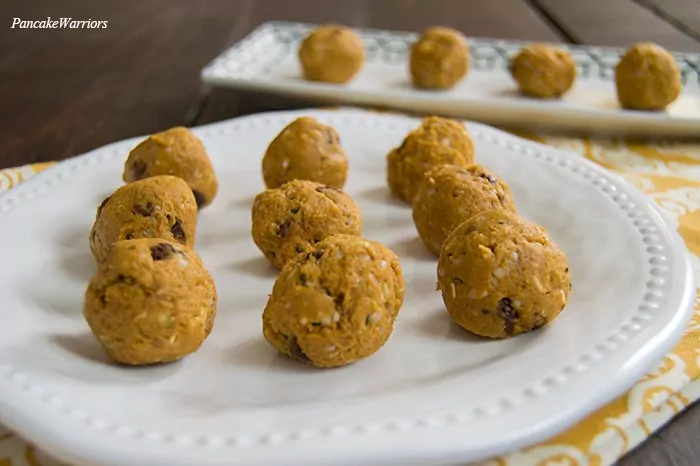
{"x":162,"y":251}
{"x":139,"y":170}
{"x":144,"y":210}
{"x":177,"y":231}
{"x":509,"y":314}
{"x":284,"y":228}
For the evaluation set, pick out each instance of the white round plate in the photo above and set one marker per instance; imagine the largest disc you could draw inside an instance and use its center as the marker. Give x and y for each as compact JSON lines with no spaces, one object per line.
{"x":433,"y":395}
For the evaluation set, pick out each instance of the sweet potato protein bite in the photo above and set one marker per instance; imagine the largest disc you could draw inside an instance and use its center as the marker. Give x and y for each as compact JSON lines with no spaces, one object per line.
{"x":543,"y":71}
{"x":501,"y":276}
{"x":176,"y":152}
{"x":449,"y":195}
{"x":332,"y":54}
{"x":305,"y":150}
{"x":294,"y":217}
{"x":155,"y":207}
{"x":151,"y":301}
{"x":437,"y":141}
{"x":439,"y":59}
{"x":647,"y":78}
{"x":336,"y":303}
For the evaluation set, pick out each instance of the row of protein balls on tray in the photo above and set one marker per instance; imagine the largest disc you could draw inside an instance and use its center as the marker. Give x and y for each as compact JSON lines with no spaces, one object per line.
{"x":647,"y":77}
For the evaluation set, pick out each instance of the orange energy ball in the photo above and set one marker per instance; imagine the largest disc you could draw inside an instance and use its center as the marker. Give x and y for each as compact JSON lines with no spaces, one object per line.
{"x":332,"y":54}
{"x":647,"y":78}
{"x":439,"y":59}
{"x":543,"y":71}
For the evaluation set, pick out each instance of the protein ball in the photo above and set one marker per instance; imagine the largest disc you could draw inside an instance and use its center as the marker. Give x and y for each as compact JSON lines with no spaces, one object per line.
{"x":291,"y":219}
{"x":156,"y":207}
{"x":450,"y":195}
{"x":151,"y":301}
{"x":439,"y":59}
{"x":543,"y":71}
{"x":647,"y":78}
{"x":305,"y":150}
{"x":501,"y":276}
{"x":335,"y":304}
{"x":332,"y":54}
{"x":176,"y":152}
{"x":437,"y":141}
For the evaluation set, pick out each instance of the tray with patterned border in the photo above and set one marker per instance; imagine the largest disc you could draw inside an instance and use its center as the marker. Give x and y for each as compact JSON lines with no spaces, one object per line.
{"x":266,"y":60}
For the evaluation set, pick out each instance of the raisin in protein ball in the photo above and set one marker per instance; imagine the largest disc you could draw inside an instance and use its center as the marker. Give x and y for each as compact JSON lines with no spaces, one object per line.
{"x":151,"y":301}
{"x":332,"y":54}
{"x":450,"y":195}
{"x":437,"y":141}
{"x":156,"y":207}
{"x":647,"y":78}
{"x":291,"y":219}
{"x":305,"y":150}
{"x":335,"y":304}
{"x":176,"y":152}
{"x":543,"y":71}
{"x":501,"y":276}
{"x":439,"y":59}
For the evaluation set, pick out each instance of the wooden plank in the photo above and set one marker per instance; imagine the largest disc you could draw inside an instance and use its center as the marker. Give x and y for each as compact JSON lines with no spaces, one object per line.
{"x":616,"y":23}
{"x":683,"y":14}
{"x":512,"y":19}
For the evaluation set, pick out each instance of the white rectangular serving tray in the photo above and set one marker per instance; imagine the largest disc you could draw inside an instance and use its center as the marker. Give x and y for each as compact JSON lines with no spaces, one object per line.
{"x":266,"y":60}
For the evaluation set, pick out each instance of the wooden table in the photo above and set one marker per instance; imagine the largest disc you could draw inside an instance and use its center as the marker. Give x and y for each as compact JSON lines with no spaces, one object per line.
{"x":65,"y":91}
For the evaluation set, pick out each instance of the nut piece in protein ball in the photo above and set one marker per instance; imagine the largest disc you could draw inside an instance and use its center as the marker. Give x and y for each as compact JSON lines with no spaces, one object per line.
{"x":336,"y":303}
{"x":176,"y":152}
{"x":151,"y":301}
{"x":647,"y":78}
{"x":305,"y":150}
{"x":156,"y":207}
{"x":501,"y":276}
{"x":437,"y":141}
{"x":439,"y":59}
{"x":291,"y":219}
{"x":450,"y":195}
{"x":543,"y":71}
{"x":332,"y":54}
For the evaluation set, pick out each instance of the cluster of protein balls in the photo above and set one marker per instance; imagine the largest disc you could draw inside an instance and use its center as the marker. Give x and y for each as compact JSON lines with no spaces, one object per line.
{"x":499,"y":275}
{"x":337,"y":295}
{"x":647,"y":77}
{"x":151,"y":299}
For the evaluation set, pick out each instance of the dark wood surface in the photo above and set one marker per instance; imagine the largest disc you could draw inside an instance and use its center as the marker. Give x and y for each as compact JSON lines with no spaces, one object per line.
{"x":615,"y":23}
{"x":683,"y":14}
{"x":64,"y":92}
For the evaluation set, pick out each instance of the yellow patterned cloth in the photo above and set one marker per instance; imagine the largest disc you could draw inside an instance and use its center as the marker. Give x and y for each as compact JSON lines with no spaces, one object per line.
{"x":667,"y":173}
